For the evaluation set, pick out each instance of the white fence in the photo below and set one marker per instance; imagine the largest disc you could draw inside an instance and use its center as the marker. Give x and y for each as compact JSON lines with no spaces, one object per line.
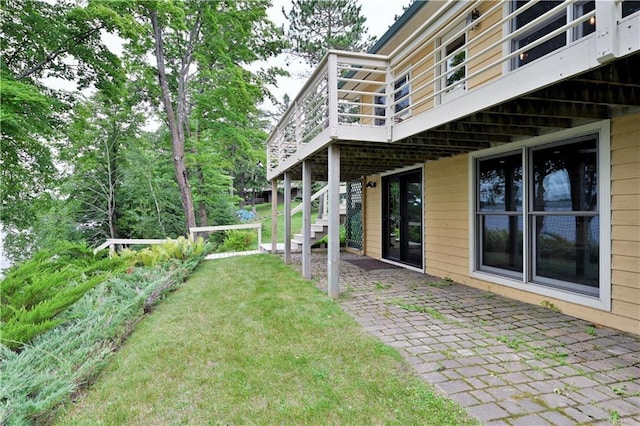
{"x":193,"y":232}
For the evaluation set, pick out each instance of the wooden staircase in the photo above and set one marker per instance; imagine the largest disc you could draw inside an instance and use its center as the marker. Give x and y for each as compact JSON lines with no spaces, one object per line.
{"x":319,"y":228}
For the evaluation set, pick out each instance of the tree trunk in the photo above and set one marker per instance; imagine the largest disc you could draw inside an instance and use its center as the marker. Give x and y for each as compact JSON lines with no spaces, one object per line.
{"x":177,"y":137}
{"x":111,"y":148}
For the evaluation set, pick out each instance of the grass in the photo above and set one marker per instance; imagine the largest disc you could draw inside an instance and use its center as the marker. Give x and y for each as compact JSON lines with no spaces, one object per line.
{"x":258,"y":347}
{"x":263,"y":214}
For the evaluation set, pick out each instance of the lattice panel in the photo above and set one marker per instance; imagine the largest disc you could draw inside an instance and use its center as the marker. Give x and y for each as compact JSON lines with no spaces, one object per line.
{"x":353,"y":221}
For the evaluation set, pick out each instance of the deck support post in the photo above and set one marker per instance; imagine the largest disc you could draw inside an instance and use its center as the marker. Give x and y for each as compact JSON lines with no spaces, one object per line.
{"x":287,"y":217}
{"x":274,"y":216}
{"x":333,"y":252}
{"x":306,"y":219}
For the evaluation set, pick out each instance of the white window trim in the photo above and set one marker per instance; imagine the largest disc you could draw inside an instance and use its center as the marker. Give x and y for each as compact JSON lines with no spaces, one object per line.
{"x":407,"y":112}
{"x":382,"y":92}
{"x":453,"y":93}
{"x":603,"y":300}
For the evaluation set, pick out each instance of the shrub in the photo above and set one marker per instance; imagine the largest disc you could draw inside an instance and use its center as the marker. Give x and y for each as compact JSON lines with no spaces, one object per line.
{"x":237,"y":240}
{"x":55,"y":364}
{"x":34,"y":293}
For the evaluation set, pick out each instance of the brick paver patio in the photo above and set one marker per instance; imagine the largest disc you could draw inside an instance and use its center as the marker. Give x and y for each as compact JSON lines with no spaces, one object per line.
{"x":506,"y":362}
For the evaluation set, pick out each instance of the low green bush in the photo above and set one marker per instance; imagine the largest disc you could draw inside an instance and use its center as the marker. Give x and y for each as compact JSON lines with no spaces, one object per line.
{"x":34,"y":293}
{"x":237,"y":240}
{"x":180,"y":248}
{"x":60,"y":361}
{"x":342,"y":235}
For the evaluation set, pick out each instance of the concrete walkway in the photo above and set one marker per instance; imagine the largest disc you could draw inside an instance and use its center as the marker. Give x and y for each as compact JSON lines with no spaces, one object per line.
{"x":505,"y":362}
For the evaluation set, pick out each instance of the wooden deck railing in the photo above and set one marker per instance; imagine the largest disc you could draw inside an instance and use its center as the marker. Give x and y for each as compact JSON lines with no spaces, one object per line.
{"x":365,"y":96}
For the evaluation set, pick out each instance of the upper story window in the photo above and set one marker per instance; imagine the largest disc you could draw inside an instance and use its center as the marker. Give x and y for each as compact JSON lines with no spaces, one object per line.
{"x":401,"y":98}
{"x":555,"y":18}
{"x":630,"y":7}
{"x":401,"y":89}
{"x":453,"y":71}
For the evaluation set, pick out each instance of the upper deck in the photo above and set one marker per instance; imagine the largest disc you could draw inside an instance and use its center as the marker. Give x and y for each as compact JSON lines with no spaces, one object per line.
{"x":472,"y":75}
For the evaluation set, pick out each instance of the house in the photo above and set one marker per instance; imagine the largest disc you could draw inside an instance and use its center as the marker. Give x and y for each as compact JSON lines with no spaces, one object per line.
{"x":496,"y":143}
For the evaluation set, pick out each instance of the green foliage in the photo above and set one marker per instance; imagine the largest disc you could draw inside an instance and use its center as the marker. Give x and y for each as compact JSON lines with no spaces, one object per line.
{"x":94,"y":154}
{"x":316,"y":26}
{"x":237,"y":240}
{"x":549,"y":305}
{"x":45,"y":40}
{"x":34,"y":293}
{"x":342,"y":233}
{"x":63,"y":360}
{"x":149,"y":200}
{"x":201,"y":51}
{"x":26,"y":163}
{"x":179,"y":249}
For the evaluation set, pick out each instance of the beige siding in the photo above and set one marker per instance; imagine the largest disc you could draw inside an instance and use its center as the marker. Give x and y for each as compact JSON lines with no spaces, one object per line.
{"x":423,"y":75}
{"x":625,"y":218}
{"x":446,"y":217}
{"x":369,"y":99}
{"x":447,"y":230}
{"x":373,"y":219}
{"x":492,"y":55}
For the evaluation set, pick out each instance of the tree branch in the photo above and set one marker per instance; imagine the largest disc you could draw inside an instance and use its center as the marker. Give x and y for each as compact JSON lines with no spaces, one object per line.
{"x":53,"y":55}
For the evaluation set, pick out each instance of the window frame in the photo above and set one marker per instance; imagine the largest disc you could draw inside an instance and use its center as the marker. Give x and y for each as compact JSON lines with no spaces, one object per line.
{"x":457,"y":88}
{"x":571,"y":35}
{"x":602,"y":301}
{"x":380,"y":98}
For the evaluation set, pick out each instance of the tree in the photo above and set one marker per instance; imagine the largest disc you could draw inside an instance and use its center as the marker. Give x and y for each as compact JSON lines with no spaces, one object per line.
{"x":45,"y":40}
{"x":149,"y":199}
{"x":93,"y":154}
{"x":316,"y":26}
{"x":200,"y":52}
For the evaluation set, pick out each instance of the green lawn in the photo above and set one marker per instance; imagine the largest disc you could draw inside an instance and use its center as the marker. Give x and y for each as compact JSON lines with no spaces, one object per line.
{"x":247,"y":341}
{"x":264,"y":211}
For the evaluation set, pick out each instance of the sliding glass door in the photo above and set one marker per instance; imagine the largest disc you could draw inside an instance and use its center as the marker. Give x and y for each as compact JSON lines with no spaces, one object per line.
{"x":402,"y":217}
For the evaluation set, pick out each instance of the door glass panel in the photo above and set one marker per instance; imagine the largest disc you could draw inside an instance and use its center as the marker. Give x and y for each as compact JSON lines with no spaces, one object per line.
{"x":414,"y":219}
{"x":402,"y":218}
{"x":393,"y":215}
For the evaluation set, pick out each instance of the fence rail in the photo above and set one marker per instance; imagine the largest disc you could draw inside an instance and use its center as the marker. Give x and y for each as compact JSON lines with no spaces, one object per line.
{"x":111,"y":243}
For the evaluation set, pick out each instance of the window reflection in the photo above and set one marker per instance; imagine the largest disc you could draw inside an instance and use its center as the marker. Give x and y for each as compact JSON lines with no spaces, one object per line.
{"x":502,"y":242}
{"x":565,"y":177}
{"x":501,"y":184}
{"x":567,"y":249}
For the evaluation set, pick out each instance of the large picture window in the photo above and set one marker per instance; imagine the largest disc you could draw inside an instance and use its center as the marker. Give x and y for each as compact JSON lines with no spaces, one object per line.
{"x":537,"y":217}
